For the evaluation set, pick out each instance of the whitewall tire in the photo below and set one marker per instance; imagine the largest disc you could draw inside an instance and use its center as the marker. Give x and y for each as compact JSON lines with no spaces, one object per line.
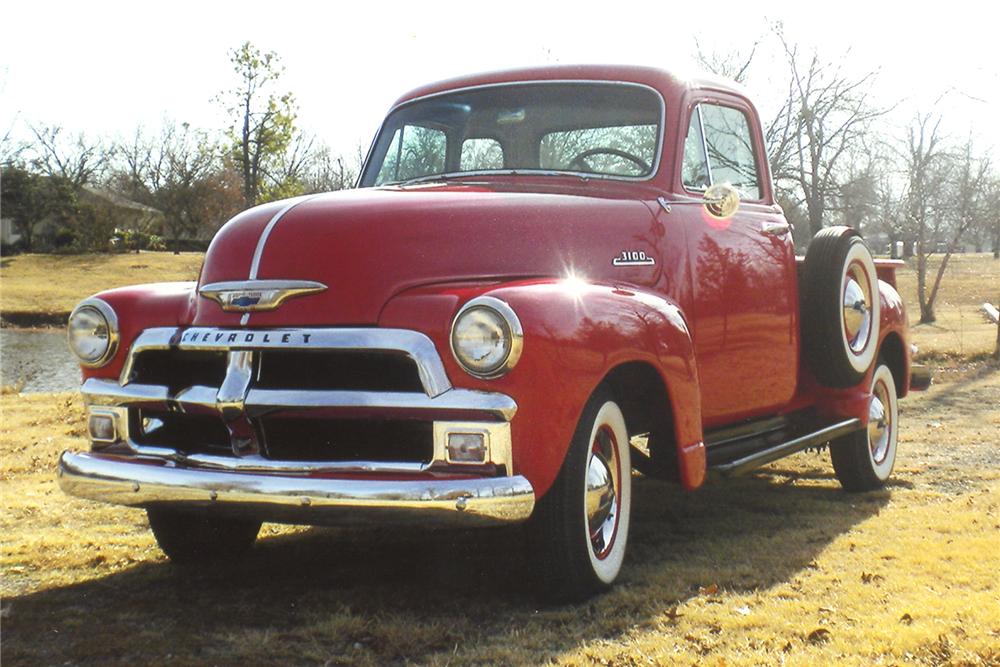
{"x":579,"y":530}
{"x":864,"y":460}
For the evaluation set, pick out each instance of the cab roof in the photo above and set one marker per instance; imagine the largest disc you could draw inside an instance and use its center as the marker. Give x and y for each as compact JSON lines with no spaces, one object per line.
{"x":669,"y":84}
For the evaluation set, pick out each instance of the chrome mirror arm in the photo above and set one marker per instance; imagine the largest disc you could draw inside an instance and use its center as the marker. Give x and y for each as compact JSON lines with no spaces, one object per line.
{"x":721,"y":200}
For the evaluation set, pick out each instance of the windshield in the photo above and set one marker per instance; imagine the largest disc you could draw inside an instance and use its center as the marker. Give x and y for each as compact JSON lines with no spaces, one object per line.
{"x":608,"y":130}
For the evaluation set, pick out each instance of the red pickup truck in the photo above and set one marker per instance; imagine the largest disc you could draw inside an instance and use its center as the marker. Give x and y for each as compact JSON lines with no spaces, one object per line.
{"x":546,"y":281}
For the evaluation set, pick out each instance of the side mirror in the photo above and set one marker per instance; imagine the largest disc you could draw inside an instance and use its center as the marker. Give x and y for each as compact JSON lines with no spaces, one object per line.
{"x":721,"y":200}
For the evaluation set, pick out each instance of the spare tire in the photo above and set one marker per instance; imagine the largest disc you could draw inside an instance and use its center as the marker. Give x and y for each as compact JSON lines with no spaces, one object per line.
{"x":839,"y":307}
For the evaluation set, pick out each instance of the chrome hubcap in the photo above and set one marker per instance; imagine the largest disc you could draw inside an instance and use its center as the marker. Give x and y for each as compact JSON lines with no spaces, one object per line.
{"x":857,"y":312}
{"x":602,"y":492}
{"x":879,"y":423}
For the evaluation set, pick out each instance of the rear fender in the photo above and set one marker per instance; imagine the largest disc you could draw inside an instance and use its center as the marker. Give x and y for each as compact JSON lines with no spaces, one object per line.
{"x":575,"y":334}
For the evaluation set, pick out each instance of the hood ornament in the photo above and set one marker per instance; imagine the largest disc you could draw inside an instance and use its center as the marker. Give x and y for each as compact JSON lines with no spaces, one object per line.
{"x":245,"y":296}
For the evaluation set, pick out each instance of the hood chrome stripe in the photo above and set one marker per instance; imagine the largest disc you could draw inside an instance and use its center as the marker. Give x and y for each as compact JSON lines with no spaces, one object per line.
{"x":262,"y":241}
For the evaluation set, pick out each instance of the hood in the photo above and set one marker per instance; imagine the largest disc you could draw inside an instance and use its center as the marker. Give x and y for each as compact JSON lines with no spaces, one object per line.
{"x":368,"y":245}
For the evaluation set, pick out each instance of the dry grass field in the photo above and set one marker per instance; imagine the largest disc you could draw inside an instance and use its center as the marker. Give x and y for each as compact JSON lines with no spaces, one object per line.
{"x":960,"y":330}
{"x":781,"y":567}
{"x":47,"y":287}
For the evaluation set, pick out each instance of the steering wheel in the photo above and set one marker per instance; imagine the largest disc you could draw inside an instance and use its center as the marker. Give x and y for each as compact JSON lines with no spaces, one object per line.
{"x":581,"y":159}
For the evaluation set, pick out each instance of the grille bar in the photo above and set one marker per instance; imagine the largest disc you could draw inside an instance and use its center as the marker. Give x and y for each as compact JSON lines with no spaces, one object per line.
{"x":262,"y":401}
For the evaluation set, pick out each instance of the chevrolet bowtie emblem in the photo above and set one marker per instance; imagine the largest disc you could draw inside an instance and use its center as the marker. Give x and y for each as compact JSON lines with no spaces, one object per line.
{"x":244,"y":296}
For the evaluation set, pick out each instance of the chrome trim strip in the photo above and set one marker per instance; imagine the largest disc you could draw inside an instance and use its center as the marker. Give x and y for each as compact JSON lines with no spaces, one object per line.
{"x":114,"y":334}
{"x":98,"y":391}
{"x":704,"y":144}
{"x":127,"y":481}
{"x":414,"y":344}
{"x":775,"y":228}
{"x":654,"y":168}
{"x":261,"y":401}
{"x":260,"y":464}
{"x":262,"y":241}
{"x":270,"y":293}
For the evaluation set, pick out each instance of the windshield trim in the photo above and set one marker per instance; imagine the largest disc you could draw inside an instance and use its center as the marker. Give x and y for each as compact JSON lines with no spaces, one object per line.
{"x":653,"y":170}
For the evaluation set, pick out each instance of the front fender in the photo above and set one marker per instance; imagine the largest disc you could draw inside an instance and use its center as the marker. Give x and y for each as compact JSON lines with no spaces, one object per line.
{"x":140,"y":307}
{"x":575,"y":334}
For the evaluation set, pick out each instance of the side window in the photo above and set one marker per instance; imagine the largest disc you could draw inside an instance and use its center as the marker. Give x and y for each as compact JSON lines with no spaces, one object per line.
{"x":415,"y":151}
{"x":481,"y":154}
{"x":694,"y":170}
{"x":730,"y":149}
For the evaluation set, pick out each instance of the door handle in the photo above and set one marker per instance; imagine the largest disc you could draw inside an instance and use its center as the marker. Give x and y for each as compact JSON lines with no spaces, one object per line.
{"x":775,"y":228}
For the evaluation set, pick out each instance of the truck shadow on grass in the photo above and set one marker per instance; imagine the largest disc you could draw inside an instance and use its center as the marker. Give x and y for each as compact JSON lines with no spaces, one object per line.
{"x":384,"y":596}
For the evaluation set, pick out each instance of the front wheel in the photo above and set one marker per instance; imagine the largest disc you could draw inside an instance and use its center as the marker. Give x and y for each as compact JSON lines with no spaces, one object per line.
{"x":864,"y":459}
{"x":580,"y":527}
{"x":193,"y":537}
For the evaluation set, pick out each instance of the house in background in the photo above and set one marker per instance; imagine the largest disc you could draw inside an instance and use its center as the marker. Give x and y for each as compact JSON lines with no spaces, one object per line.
{"x":112,"y":208}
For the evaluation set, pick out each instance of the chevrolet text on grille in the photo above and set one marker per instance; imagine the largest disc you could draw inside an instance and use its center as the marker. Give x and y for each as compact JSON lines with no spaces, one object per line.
{"x":228,"y":338}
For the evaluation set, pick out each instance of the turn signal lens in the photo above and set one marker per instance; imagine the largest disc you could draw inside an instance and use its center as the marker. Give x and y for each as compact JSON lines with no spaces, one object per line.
{"x":466,"y":448}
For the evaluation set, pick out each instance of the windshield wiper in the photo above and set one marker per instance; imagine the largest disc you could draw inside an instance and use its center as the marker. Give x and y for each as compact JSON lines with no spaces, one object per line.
{"x":463,"y":175}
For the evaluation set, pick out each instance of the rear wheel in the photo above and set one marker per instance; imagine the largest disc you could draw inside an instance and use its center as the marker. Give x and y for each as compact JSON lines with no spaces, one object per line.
{"x":864,"y":459}
{"x":189,"y":537}
{"x":580,"y":527}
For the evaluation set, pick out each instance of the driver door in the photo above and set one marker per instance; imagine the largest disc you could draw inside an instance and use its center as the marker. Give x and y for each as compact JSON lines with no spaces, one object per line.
{"x":743,"y":273}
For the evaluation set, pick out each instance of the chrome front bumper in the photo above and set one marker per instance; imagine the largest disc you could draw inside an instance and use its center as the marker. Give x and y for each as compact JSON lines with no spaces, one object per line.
{"x":126,"y":480}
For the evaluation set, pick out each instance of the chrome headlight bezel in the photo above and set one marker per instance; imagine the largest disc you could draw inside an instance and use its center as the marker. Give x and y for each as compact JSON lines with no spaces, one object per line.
{"x":512,"y":331}
{"x":107,"y":314}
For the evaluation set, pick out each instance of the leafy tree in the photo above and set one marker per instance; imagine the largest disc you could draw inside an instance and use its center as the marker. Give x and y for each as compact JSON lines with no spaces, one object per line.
{"x":263,"y":120}
{"x":29,"y":199}
{"x":23,"y":198}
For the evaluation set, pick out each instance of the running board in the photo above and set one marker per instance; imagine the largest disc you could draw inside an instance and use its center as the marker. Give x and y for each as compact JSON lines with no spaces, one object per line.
{"x":765,"y":456}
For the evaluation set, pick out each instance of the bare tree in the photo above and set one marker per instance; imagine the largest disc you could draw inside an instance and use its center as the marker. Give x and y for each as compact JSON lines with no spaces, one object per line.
{"x":10,"y":148}
{"x":831,"y":116}
{"x":181,"y":173}
{"x":734,"y":65}
{"x":822,"y":115}
{"x":78,"y":160}
{"x":327,"y":172}
{"x":946,"y":193}
{"x":285,"y":175}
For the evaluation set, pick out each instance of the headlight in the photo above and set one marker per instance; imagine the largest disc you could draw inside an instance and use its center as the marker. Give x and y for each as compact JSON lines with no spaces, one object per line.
{"x":486,"y":337}
{"x":93,"y":332}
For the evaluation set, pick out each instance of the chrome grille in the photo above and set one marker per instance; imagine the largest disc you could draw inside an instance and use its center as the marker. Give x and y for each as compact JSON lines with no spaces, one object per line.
{"x":344,"y":399}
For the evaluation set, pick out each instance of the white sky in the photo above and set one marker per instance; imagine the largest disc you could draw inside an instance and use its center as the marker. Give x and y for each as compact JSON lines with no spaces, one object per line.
{"x":105,"y":67}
